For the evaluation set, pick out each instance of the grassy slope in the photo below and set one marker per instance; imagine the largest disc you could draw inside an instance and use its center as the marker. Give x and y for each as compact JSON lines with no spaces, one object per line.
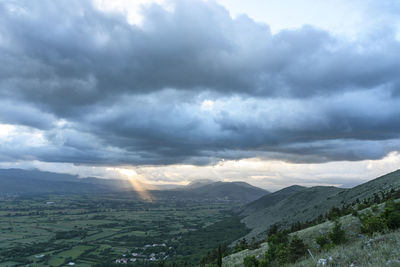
{"x":383,"y":183}
{"x":385,"y":252}
{"x":300,"y":204}
{"x":355,"y":250}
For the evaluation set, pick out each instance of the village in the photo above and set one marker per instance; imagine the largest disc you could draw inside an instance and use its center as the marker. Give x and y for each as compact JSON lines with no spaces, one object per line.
{"x":147,"y":253}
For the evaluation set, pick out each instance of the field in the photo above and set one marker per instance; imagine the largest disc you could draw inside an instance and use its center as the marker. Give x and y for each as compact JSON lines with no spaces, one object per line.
{"x":90,"y":229}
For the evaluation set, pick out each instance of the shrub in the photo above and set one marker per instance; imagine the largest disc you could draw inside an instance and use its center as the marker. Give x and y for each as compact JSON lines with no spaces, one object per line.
{"x":323,"y":241}
{"x":392,"y":214}
{"x":374,"y":208}
{"x":372,"y":224}
{"x":393,"y":220}
{"x":250,"y":261}
{"x":362,"y":206}
{"x":354,"y":213}
{"x":264,"y":263}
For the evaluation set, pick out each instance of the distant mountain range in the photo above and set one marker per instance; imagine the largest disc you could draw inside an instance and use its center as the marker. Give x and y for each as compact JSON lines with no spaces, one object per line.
{"x":286,"y":206}
{"x":240,"y":191}
{"x":28,"y":182}
{"x":297,"y":203}
{"x":17,"y":181}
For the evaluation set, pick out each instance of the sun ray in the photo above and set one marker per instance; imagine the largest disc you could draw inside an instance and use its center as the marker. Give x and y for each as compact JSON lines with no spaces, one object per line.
{"x":134,"y":180}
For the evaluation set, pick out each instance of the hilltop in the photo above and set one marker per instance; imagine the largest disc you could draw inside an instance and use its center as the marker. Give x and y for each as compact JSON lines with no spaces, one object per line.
{"x":228,"y":190}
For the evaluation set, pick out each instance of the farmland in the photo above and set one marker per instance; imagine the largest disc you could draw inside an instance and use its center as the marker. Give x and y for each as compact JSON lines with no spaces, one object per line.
{"x":89,"y":229}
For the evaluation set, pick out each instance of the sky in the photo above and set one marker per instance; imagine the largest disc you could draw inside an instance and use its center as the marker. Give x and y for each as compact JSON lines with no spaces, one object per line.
{"x":272,"y":92}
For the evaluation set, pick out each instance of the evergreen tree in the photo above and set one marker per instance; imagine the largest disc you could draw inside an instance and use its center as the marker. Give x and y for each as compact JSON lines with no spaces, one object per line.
{"x":219,"y":258}
{"x":338,"y":234}
{"x":297,"y":249}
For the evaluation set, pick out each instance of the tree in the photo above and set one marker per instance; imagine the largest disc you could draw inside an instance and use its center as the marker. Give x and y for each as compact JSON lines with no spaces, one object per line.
{"x":337,"y":235}
{"x":273,"y":229}
{"x":219,"y":258}
{"x":297,"y":249}
{"x":277,"y":252}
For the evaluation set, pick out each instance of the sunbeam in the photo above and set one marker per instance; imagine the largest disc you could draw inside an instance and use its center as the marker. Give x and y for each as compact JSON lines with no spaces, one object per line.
{"x":133,"y":178}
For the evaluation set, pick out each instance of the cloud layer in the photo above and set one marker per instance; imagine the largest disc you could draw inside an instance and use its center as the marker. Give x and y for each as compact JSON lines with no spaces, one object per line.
{"x":190,"y":85}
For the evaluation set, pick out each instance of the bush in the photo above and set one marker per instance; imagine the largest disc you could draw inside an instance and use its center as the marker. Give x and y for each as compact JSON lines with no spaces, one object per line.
{"x":354,"y":213}
{"x":323,"y":242}
{"x":250,"y":261}
{"x":374,"y":208}
{"x":372,"y":224}
{"x":393,"y":220}
{"x":362,"y":206}
{"x":391,"y":214}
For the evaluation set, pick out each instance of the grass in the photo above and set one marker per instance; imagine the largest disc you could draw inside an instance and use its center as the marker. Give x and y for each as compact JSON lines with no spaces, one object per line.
{"x":73,"y":253}
{"x":354,"y":251}
{"x":383,"y":250}
{"x":237,"y":258}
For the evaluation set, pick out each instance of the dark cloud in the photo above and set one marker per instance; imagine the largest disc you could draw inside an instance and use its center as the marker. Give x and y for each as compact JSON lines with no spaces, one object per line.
{"x":25,"y":114}
{"x":135,"y":94}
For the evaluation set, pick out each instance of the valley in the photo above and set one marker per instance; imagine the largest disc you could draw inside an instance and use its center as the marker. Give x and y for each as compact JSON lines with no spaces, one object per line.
{"x":193,"y":225}
{"x":85,"y":230}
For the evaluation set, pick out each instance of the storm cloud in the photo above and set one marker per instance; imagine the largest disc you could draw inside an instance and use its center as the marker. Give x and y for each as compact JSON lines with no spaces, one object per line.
{"x":190,"y":85}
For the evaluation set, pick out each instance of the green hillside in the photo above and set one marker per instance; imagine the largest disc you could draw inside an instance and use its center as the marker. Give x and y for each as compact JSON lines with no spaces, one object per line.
{"x":300,"y":204}
{"x":378,"y":248}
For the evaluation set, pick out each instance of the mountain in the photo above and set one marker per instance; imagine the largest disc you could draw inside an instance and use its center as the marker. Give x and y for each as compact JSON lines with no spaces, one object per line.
{"x":226,"y":191}
{"x":17,"y":181}
{"x":240,"y":191}
{"x":199,"y":183}
{"x":297,"y":203}
{"x":287,"y":206}
{"x":270,"y":199}
{"x":383,"y":183}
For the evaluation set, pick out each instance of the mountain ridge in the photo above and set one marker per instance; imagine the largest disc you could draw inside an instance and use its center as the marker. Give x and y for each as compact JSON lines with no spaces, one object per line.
{"x":19,"y":181}
{"x":296,"y":203}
